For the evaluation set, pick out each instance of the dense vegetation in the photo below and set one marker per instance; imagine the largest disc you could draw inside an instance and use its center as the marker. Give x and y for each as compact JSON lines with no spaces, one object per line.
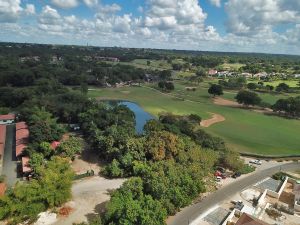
{"x":169,"y":165}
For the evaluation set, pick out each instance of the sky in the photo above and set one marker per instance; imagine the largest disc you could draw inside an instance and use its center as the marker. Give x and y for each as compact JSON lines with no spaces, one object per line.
{"x":268,"y":26}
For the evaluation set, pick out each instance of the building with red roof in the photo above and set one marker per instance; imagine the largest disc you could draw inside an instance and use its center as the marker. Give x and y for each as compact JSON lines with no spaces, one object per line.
{"x":25,"y":165}
{"x":2,"y":189}
{"x":2,"y":140}
{"x":7,"y":119}
{"x":54,"y":144}
{"x":22,"y":137}
{"x":21,"y":125}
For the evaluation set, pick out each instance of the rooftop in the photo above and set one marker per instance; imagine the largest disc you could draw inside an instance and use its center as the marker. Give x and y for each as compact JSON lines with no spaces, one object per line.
{"x":8,"y":117}
{"x":21,"y":125}
{"x":246,"y":219}
{"x":25,"y":164}
{"x":270,"y":184}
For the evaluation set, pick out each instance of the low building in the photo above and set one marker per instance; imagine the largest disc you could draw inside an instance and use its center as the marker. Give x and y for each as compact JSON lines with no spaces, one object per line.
{"x":2,"y":189}
{"x":22,"y":138}
{"x":212,"y":72}
{"x":54,"y":144}
{"x":2,"y":140}
{"x":26,"y":169}
{"x":246,"y":219}
{"x":297,"y":75}
{"x":7,"y":119}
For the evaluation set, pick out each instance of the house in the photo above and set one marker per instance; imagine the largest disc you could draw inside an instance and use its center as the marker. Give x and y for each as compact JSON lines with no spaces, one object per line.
{"x":297,"y":75}
{"x":2,"y":189}
{"x":246,"y":219}
{"x":247,"y":75}
{"x":212,"y":72}
{"x":7,"y":119}
{"x":260,"y":75}
{"x":26,"y":169}
{"x":22,"y":138}
{"x":29,"y":58}
{"x":54,"y":144}
{"x":2,"y":140}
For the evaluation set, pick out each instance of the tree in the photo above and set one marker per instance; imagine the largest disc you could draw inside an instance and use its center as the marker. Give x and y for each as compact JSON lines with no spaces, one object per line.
{"x":251,"y":86}
{"x":215,"y":89}
{"x":201,"y":72}
{"x":247,"y":98}
{"x":70,"y":147}
{"x":282,"y":87}
{"x":129,"y":205}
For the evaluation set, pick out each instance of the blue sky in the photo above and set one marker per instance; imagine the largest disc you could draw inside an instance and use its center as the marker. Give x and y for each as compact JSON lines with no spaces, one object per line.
{"x":271,"y":26}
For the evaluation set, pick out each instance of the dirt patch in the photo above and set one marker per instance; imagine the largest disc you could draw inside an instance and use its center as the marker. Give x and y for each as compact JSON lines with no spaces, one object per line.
{"x":230,"y":103}
{"x":216,"y":118}
{"x":226,"y":102}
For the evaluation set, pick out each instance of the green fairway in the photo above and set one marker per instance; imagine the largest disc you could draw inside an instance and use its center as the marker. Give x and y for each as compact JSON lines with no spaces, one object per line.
{"x":291,"y":83}
{"x":243,"y":130}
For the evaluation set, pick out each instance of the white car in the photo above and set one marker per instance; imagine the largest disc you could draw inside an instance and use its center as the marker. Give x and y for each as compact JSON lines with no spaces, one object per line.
{"x":255,"y":161}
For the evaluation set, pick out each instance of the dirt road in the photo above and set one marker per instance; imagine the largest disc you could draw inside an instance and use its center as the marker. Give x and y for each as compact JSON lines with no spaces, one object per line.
{"x":89,"y":197}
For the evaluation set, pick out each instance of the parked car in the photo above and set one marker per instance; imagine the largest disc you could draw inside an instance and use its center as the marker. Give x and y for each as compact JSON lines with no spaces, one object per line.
{"x":255,"y":161}
{"x":236,"y":175}
{"x":218,"y":179}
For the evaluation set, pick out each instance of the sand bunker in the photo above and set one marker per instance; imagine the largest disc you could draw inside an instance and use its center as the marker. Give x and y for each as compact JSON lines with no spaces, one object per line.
{"x":216,"y":118}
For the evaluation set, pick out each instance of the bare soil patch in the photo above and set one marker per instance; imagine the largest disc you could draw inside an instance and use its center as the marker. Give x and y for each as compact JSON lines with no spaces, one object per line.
{"x":226,"y":102}
{"x":216,"y":118}
{"x":230,"y":103}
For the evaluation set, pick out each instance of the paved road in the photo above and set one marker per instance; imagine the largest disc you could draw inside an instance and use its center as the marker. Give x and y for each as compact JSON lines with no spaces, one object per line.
{"x":190,"y":213}
{"x":9,"y":159}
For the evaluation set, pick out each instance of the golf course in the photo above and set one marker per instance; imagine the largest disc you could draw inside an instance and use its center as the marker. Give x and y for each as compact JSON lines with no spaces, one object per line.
{"x":243,"y":130}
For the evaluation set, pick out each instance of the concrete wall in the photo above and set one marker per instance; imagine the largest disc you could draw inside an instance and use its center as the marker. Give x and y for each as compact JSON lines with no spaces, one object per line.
{"x":261,"y":199}
{"x":297,"y":206}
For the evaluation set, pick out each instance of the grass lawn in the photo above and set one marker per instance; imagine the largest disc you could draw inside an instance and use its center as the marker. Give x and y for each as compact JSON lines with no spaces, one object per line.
{"x":243,"y":130}
{"x":291,"y":83}
{"x":232,"y":66}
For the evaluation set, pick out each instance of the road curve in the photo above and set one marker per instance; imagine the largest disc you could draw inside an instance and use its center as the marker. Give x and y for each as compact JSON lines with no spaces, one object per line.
{"x":190,"y":213}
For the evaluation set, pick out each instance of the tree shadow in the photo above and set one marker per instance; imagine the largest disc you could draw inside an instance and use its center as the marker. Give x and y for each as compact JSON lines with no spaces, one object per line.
{"x":92,"y":157}
{"x":99,"y":211}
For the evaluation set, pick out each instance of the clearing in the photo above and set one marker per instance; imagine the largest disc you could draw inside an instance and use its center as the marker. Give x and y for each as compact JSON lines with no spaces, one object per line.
{"x":89,"y":198}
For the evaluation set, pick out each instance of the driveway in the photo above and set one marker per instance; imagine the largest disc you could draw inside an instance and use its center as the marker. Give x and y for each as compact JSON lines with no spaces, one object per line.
{"x":89,"y":198}
{"x":9,"y":168}
{"x":190,"y":213}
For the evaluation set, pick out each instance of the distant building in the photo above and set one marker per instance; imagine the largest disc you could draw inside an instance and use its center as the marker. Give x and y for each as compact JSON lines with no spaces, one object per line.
{"x":260,"y":75}
{"x":247,"y":75}
{"x":7,"y":119}
{"x":29,"y":58}
{"x":212,"y":72}
{"x":111,"y":59}
{"x":297,"y":75}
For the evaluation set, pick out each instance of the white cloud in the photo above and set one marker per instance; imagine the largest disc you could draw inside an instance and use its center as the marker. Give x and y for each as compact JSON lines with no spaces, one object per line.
{"x":10,"y":10}
{"x":65,"y":4}
{"x":216,"y":3}
{"x":248,"y":17}
{"x":91,"y":3}
{"x":30,"y":9}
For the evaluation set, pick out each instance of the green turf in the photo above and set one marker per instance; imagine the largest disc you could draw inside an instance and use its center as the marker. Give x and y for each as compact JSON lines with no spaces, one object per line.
{"x":243,"y":130}
{"x":291,"y":83}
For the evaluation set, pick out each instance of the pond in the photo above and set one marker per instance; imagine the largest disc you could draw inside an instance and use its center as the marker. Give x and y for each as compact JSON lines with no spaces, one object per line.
{"x":141,"y":116}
